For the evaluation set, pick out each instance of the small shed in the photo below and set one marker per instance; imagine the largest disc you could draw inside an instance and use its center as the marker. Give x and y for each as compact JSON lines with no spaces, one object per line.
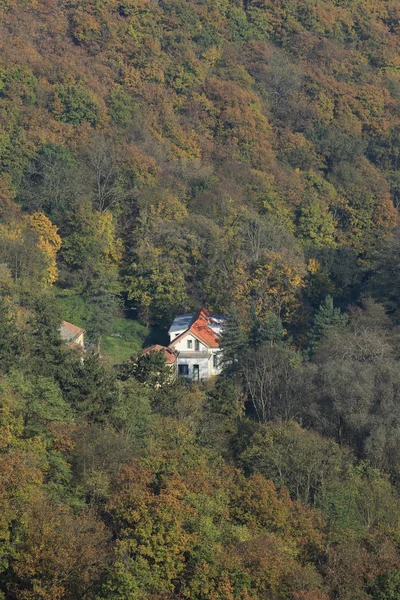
{"x":73,"y":335}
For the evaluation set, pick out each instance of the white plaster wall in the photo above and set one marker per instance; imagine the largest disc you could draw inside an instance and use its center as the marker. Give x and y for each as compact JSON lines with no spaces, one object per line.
{"x":80,"y":341}
{"x":175,"y":334}
{"x":182,"y":346}
{"x":202,"y":362}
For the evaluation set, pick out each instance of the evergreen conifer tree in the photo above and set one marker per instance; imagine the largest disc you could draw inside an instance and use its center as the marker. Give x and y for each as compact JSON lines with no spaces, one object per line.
{"x":327,"y":319}
{"x":234,"y":343}
{"x":270,"y":330}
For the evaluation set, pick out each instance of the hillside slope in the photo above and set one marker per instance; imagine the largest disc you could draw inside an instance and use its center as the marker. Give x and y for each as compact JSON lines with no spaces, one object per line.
{"x":156,"y":156}
{"x":220,"y":153}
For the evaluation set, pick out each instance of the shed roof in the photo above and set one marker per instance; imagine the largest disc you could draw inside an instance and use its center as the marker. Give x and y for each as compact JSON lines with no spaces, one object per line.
{"x":169,"y":353}
{"x":70,"y":332}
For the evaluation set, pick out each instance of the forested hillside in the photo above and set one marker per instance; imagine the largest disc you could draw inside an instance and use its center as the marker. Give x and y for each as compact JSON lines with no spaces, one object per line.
{"x":155,"y":157}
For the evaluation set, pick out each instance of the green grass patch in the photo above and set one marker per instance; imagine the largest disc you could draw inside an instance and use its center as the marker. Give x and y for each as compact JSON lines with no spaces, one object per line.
{"x":127,"y":338}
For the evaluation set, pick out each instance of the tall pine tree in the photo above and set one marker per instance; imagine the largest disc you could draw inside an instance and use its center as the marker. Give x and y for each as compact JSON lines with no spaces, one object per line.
{"x":327,"y":320}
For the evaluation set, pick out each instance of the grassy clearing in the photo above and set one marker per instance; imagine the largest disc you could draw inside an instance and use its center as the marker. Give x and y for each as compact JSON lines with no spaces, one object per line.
{"x":126,"y":338}
{"x":74,"y":309}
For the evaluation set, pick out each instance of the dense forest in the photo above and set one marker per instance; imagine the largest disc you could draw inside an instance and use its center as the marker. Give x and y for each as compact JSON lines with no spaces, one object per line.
{"x":155,"y":157}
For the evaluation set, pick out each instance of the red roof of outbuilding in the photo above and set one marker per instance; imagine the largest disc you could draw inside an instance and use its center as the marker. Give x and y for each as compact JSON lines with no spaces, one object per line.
{"x":69,"y":331}
{"x":169,"y":353}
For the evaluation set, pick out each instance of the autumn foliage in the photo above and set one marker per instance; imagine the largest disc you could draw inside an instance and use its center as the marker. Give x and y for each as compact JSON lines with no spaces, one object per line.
{"x":159,"y":156}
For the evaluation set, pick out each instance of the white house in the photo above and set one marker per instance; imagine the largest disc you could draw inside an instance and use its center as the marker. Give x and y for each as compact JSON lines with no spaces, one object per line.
{"x":195,"y":338}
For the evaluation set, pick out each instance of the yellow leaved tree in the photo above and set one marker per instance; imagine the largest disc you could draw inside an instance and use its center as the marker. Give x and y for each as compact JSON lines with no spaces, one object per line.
{"x":273,"y":286}
{"x":29,"y":246}
{"x":49,"y":242}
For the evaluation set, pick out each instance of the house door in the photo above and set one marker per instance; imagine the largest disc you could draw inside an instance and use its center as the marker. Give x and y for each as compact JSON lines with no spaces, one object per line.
{"x":196,"y":372}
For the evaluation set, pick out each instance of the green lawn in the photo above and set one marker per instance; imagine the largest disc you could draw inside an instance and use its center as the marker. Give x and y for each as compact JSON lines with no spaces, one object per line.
{"x":126,"y":339}
{"x":127,"y":335}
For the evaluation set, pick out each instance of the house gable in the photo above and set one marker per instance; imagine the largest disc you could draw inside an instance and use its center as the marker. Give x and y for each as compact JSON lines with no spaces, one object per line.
{"x":201,"y":326}
{"x":184,"y":336}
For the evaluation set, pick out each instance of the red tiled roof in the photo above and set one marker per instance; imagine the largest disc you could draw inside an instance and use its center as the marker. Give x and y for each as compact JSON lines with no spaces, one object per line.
{"x":200,"y":328}
{"x":170,"y":355}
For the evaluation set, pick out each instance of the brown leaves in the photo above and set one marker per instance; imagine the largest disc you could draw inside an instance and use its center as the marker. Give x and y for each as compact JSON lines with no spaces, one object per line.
{"x":59,"y":554}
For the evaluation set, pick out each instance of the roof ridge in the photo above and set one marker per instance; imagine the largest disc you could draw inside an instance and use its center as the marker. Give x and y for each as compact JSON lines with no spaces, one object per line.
{"x":201,"y":312}
{"x":72,"y":327}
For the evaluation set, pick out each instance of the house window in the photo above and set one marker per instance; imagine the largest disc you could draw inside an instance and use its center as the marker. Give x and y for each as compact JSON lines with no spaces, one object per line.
{"x":215,"y":361}
{"x":183,"y":370}
{"x":196,"y":372}
{"x":190,"y":343}
{"x":196,"y":345}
